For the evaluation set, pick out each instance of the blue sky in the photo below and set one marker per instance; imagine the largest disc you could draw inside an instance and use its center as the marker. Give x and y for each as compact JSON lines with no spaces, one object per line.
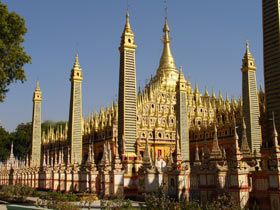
{"x":208,"y":40}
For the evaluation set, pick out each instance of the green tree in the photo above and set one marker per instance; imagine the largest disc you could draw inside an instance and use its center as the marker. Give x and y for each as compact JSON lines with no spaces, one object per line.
{"x":22,"y":139}
{"x":4,"y":144}
{"x":12,"y":54}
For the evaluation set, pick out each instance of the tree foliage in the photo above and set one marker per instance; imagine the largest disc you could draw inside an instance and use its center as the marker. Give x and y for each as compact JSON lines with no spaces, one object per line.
{"x":4,"y":144}
{"x":22,"y":139}
{"x":12,"y":54}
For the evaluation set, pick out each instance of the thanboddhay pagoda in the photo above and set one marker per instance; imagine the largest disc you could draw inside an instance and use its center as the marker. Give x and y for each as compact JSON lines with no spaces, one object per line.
{"x":194,"y":145}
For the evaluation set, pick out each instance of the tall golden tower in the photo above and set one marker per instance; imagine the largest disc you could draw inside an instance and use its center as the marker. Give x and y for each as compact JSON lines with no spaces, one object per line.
{"x":36,"y":127}
{"x":271,"y":47}
{"x":182,"y":116}
{"x":127,"y":92}
{"x":251,"y":112}
{"x":75,"y":113}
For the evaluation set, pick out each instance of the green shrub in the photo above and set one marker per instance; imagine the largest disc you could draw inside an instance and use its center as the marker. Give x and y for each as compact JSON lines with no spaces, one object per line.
{"x":56,"y":205}
{"x":16,"y":193}
{"x":160,"y":201}
{"x":58,"y":196}
{"x":118,"y":203}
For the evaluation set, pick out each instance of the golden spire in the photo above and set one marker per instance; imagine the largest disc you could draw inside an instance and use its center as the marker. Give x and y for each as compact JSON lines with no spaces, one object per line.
{"x":181,"y":75}
{"x":248,"y":62}
{"x":166,"y":60}
{"x":206,"y":92}
{"x":213,"y":93}
{"x":127,"y":39}
{"x":127,"y":27}
{"x":76,"y":65}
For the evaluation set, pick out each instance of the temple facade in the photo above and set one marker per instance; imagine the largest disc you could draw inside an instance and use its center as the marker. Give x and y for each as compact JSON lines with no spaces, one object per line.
{"x":195,"y":145}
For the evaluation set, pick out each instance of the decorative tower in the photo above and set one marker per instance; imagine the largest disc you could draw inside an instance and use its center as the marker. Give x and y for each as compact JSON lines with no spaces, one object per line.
{"x":251,"y":111}
{"x":182,"y":116}
{"x":75,"y":113}
{"x":216,"y":153}
{"x":271,"y":49}
{"x":36,"y":127}
{"x":127,"y":92}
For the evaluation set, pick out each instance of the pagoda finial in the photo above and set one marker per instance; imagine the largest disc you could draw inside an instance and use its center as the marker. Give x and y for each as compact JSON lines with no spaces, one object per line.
{"x":37,"y":86}
{"x":127,"y":23}
{"x":166,"y":60}
{"x":165,"y":10}
{"x":247,"y":45}
{"x":76,"y":64}
{"x":247,"y":52}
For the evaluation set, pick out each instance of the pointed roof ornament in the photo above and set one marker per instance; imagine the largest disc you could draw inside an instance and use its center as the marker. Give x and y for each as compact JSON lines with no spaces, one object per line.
{"x":181,"y":75}
{"x":220,"y":95}
{"x":127,"y":27}
{"x":12,"y":151}
{"x":216,"y":152}
{"x":37,"y":86}
{"x":166,"y":28}
{"x":245,"y":149}
{"x":247,"y":46}
{"x":196,"y":90}
{"x":248,"y":60}
{"x":213,"y":93}
{"x":227,"y":98}
{"x":76,"y":63}
{"x":206,"y":92}
{"x":166,"y":60}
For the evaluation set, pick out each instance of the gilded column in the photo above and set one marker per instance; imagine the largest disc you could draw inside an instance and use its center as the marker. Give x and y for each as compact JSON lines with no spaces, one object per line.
{"x":36,"y":127}
{"x":127,"y":92}
{"x":75,"y":113}
{"x":251,"y":112}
